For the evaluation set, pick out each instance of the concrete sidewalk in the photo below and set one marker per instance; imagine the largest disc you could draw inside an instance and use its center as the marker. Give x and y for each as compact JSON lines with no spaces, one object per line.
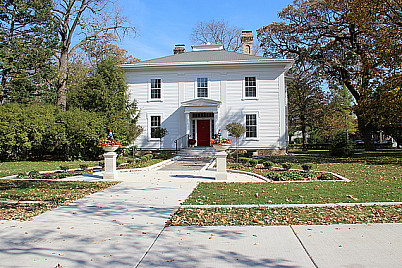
{"x":123,"y":226}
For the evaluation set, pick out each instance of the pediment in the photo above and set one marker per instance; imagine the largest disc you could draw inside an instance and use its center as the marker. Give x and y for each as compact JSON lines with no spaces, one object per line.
{"x":201,"y":103}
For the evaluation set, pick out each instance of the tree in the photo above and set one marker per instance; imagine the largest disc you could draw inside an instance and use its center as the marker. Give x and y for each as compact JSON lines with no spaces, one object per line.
{"x":159,"y":133}
{"x":217,"y":32}
{"x":104,"y":91}
{"x":305,"y":101}
{"x":236,"y":130}
{"x":86,"y":20}
{"x":342,"y":48}
{"x":27,"y":45}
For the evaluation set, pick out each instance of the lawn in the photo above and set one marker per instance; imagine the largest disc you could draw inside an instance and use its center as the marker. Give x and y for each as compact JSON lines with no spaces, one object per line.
{"x":13,"y":168}
{"x":375,"y":177}
{"x":51,"y":194}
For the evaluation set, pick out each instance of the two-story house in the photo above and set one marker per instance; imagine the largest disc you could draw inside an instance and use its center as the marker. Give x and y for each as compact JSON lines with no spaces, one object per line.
{"x":194,"y":94}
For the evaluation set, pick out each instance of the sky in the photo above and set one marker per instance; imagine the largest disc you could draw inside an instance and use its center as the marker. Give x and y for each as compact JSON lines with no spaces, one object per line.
{"x":160,"y":24}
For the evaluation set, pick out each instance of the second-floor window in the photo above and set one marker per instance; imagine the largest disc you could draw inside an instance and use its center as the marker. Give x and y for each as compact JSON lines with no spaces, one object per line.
{"x":155,"y":88}
{"x":250,"y":87}
{"x":202,"y":87}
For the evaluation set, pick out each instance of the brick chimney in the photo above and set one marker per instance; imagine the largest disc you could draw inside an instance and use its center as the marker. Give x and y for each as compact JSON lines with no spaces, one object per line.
{"x":179,"y":49}
{"x":247,"y":39}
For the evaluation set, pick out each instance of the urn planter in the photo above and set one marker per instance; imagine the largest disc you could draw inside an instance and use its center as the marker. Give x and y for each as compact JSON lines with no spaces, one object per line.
{"x":221,"y":147}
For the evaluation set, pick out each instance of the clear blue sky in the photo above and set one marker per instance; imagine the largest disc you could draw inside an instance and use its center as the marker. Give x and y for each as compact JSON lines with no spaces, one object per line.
{"x":161,"y":24}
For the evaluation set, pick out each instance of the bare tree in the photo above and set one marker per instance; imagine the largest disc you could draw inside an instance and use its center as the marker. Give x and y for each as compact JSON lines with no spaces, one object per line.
{"x":217,"y":32}
{"x":81,"y":21}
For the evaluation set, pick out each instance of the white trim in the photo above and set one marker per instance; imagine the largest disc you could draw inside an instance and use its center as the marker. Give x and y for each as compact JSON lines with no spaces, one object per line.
{"x":149,"y":89}
{"x":148,"y":130}
{"x":196,"y":87}
{"x":257,"y":113}
{"x":244,"y":98}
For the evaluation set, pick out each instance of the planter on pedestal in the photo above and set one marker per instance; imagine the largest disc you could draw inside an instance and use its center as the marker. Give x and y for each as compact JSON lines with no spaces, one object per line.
{"x":221,"y":155}
{"x":110,"y":162}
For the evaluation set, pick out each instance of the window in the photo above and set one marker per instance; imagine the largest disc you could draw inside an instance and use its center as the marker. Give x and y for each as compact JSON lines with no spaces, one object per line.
{"x":251,"y":126}
{"x":155,"y":88}
{"x":250,"y":87}
{"x":155,"y":124}
{"x":202,"y":87}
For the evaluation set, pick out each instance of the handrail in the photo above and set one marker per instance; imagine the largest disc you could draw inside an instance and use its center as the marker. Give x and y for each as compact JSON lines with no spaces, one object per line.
{"x":183,"y":140}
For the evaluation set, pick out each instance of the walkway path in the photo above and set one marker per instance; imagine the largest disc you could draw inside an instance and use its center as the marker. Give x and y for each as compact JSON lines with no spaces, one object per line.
{"x":123,"y":226}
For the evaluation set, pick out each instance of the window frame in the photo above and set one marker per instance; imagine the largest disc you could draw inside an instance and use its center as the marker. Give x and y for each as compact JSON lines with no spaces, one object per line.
{"x":151,"y":127}
{"x":204,"y":87}
{"x":247,"y":87}
{"x":254,"y":126}
{"x":150,"y":89}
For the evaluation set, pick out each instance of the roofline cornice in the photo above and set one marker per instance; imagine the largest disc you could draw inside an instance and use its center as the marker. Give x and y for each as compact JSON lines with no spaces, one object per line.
{"x":286,"y":63}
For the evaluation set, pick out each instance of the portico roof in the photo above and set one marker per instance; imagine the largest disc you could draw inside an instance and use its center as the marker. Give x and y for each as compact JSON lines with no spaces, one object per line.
{"x":201,"y":102}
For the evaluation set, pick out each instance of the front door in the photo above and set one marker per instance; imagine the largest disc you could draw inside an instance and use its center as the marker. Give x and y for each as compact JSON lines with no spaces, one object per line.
{"x":203,"y":132}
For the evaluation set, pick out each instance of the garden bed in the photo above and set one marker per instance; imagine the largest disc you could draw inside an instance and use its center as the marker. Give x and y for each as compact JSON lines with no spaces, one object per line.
{"x":276,"y":174}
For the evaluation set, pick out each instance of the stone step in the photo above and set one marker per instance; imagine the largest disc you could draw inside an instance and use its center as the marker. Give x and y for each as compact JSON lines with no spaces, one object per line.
{"x":197,"y":152}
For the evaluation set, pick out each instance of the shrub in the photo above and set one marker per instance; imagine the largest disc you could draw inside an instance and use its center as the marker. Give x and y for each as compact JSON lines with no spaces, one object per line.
{"x":21,"y":175}
{"x":64,"y":167}
{"x":327,"y":176}
{"x":165,"y":155}
{"x":273,"y":176}
{"x":287,"y":166}
{"x":119,"y":162}
{"x":130,"y":160}
{"x":34,"y":174}
{"x":244,"y":160}
{"x":268,"y":164}
{"x":102,"y":163}
{"x":340,"y":146}
{"x":84,"y":166}
{"x":253,"y":162}
{"x":47,"y":177}
{"x":148,"y":156}
{"x":144,"y":158}
{"x":62,"y":175}
{"x":307,"y":166}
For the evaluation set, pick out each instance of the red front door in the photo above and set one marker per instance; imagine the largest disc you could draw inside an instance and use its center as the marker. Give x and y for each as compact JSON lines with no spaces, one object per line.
{"x":203,"y":132}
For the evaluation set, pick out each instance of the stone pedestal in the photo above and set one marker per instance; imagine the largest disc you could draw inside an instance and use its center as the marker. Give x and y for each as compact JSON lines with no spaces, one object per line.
{"x":110,"y":166}
{"x":221,"y":173}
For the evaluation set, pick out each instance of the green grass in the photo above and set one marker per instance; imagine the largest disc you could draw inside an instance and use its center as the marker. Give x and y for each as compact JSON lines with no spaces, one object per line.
{"x":286,"y":216}
{"x":51,"y":194}
{"x":52,"y":191}
{"x":13,"y":168}
{"x":376,"y":176}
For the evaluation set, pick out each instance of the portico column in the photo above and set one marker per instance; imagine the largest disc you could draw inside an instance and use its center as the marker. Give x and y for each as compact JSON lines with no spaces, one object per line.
{"x":215,"y":122}
{"x":187,"y":123}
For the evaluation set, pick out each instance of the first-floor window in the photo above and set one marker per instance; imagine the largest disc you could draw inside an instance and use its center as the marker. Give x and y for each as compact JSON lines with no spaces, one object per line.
{"x":155,"y":124}
{"x":251,"y":125}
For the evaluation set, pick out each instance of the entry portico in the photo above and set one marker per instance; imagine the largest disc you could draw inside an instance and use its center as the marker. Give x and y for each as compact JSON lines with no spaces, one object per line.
{"x":201,"y":117}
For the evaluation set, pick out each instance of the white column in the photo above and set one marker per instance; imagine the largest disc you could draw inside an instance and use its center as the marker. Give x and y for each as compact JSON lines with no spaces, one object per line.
{"x":221,"y":173}
{"x":187,"y":123}
{"x":110,"y":166}
{"x":215,"y":122}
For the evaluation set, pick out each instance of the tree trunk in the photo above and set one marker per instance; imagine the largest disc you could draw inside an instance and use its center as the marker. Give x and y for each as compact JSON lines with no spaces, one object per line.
{"x":62,"y":80}
{"x":366,"y":132}
{"x":303,"y":130}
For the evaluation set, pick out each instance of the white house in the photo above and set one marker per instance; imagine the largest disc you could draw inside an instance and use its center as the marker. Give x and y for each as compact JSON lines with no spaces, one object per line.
{"x":194,"y":94}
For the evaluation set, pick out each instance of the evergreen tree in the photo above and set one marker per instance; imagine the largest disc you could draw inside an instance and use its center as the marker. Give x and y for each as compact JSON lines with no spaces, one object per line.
{"x":27,"y":45}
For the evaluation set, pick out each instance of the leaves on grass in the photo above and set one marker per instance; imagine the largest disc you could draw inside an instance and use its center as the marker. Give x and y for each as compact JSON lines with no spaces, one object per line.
{"x":286,"y":216}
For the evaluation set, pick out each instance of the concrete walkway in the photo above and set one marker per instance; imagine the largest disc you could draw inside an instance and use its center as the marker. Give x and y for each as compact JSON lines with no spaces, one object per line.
{"x":123,"y":226}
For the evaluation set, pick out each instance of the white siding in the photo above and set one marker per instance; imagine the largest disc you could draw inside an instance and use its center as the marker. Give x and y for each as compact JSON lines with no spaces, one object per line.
{"x":225,"y":85}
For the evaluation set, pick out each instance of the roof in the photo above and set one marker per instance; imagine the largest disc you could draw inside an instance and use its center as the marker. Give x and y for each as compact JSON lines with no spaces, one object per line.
{"x":207,"y":57}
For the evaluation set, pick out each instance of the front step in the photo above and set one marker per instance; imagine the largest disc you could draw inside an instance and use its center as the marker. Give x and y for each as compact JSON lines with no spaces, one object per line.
{"x":197,"y":152}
